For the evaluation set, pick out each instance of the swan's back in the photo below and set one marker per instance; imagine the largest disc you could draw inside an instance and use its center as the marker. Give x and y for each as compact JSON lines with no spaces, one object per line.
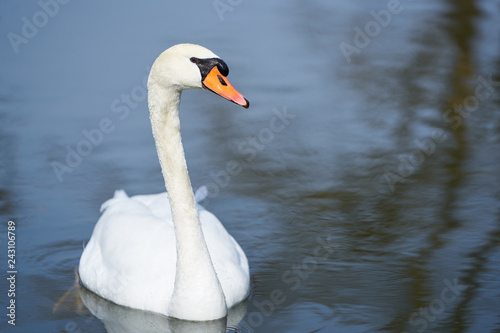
{"x":131,"y":256}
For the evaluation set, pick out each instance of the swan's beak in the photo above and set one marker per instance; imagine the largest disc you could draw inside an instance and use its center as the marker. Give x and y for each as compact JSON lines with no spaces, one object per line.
{"x":217,"y":83}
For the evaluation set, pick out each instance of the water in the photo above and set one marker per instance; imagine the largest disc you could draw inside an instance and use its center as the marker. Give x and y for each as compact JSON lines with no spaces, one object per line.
{"x":372,"y":204}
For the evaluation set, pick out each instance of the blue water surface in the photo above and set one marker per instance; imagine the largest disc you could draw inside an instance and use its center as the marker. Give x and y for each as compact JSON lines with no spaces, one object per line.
{"x":368,"y":198}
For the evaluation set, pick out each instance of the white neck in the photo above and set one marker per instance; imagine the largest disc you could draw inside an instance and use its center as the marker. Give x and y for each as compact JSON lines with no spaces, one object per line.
{"x":197,"y":292}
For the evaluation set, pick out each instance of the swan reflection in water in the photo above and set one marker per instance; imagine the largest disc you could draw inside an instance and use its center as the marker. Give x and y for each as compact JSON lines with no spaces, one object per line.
{"x":120,"y":319}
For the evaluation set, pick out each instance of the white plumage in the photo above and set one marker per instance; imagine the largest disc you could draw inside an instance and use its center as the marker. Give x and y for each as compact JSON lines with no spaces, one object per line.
{"x":131,"y":256}
{"x":161,"y":254}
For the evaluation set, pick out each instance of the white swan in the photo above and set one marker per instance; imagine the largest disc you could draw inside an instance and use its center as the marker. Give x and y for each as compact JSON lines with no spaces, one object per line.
{"x":175,"y":259}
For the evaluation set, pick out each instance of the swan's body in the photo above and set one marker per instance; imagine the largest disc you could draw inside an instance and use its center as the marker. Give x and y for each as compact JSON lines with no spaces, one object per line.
{"x":163,"y":253}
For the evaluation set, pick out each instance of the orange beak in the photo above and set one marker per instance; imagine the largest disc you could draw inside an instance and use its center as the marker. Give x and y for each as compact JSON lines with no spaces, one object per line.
{"x":217,"y":83}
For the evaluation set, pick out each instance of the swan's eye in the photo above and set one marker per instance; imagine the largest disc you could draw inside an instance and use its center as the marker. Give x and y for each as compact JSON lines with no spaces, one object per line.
{"x":194,"y":60}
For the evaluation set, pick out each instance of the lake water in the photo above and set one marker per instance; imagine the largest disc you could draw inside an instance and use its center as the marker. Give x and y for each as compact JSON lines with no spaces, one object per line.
{"x":368,"y":198}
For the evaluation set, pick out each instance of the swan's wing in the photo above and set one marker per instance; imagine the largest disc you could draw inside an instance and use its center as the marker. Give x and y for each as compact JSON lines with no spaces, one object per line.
{"x":229,"y":260}
{"x":130,"y":248}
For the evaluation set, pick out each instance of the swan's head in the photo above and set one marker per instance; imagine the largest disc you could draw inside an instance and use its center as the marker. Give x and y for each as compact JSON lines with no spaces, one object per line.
{"x":190,"y":66}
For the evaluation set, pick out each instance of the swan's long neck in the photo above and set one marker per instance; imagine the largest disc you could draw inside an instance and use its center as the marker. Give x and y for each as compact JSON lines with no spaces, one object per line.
{"x":197,"y":290}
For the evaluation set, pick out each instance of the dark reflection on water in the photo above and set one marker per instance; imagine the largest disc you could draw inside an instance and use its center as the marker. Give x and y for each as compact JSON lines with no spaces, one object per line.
{"x":374,"y":206}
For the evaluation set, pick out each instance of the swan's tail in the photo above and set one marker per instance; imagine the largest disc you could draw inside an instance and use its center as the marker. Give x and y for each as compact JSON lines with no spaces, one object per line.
{"x":119,"y":194}
{"x":201,"y":193}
